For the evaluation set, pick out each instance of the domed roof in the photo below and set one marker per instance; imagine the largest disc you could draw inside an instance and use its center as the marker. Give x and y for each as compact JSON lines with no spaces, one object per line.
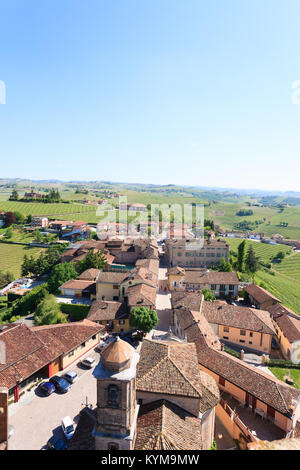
{"x":116,"y":356}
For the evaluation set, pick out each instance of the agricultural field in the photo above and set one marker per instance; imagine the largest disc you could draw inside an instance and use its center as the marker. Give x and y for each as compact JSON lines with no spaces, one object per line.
{"x":11,"y":256}
{"x":290,"y":267}
{"x":283,"y":287}
{"x":50,"y":210}
{"x":264,"y":251}
{"x":270,"y":216}
{"x":284,"y":282}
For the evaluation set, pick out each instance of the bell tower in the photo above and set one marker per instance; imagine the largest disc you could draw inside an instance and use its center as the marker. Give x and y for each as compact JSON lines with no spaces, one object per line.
{"x":117,"y":408}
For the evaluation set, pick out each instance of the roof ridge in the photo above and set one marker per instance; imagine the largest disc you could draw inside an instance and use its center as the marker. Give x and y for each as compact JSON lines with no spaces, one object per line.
{"x":181,"y":373}
{"x":154,"y":367}
{"x":257,"y":316}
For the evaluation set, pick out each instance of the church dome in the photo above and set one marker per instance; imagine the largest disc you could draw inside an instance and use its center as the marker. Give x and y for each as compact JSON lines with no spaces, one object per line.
{"x":117,"y":355}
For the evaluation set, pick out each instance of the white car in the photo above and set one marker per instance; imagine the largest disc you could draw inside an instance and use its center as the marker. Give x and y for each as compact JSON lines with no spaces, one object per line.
{"x":68,"y":427}
{"x":88,"y":362}
{"x":71,"y":376}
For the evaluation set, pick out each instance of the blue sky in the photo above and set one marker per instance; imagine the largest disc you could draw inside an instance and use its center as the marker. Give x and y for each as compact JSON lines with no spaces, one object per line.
{"x":151,"y":91}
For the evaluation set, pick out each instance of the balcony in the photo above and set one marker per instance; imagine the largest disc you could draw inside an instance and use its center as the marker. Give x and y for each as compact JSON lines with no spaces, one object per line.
{"x":255,"y":426}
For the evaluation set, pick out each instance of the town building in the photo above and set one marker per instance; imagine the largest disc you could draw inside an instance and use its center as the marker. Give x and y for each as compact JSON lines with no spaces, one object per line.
{"x":221,"y":284}
{"x":79,"y":288}
{"x":113,"y":315}
{"x":3,"y":418}
{"x":188,"y":253}
{"x":247,"y":393}
{"x":251,"y":328}
{"x":139,"y":408}
{"x":287,"y":326}
{"x":117,"y":408}
{"x":40,"y":221}
{"x":260,"y":297}
{"x":43,"y":351}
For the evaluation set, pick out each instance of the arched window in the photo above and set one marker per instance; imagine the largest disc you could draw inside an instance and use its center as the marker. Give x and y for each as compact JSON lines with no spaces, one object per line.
{"x":112,"y":396}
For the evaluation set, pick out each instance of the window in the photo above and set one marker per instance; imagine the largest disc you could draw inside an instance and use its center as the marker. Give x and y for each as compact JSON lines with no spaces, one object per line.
{"x":121,"y":322}
{"x":213,"y":287}
{"x":115,"y":286}
{"x":115,"y":297}
{"x":225,"y":337}
{"x":243,"y":332}
{"x":83,"y":345}
{"x":226,"y":329}
{"x":94,"y":337}
{"x":251,"y":334}
{"x":242,"y":341}
{"x":112,"y":396}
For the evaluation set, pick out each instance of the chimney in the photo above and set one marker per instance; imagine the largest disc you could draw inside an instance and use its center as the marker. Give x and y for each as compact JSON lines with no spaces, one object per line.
{"x":3,"y":418}
{"x":242,"y":354}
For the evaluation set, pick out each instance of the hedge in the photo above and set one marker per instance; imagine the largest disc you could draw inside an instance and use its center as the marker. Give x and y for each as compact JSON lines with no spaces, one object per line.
{"x":76,"y":311}
{"x":232,"y":352}
{"x":282,"y":363}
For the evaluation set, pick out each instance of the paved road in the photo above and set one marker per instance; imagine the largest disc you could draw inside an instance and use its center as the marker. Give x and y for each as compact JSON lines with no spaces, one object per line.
{"x":36,"y":418}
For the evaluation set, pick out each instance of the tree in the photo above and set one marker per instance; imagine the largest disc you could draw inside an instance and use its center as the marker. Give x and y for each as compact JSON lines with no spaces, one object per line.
{"x":29,"y":219}
{"x":38,"y":237}
{"x":61,"y":273}
{"x":8,"y":234}
{"x":280,"y":255}
{"x":48,"y":312}
{"x":9,"y":219}
{"x":224,"y":266}
{"x":242,"y":256}
{"x":14,"y":195}
{"x":5,"y":279}
{"x":20,"y":218}
{"x":92,"y":259}
{"x":28,"y":303}
{"x":252,"y":261}
{"x":208,"y":295}
{"x":143,"y":319}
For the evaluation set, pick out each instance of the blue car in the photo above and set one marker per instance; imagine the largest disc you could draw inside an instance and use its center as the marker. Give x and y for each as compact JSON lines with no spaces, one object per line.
{"x":56,"y":444}
{"x":60,"y":384}
{"x":47,"y":388}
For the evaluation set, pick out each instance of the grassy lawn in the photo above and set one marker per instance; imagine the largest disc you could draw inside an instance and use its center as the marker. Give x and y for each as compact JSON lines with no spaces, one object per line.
{"x":11,"y":257}
{"x":282,"y":372}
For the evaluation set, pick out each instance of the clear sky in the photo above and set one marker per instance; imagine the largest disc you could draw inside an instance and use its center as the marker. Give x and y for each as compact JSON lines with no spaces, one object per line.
{"x":187,"y":92}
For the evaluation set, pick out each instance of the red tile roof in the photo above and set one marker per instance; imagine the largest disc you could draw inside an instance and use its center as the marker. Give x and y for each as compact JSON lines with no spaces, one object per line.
{"x":30,"y":349}
{"x":162,"y":425}
{"x":259,"y":294}
{"x":221,"y":313}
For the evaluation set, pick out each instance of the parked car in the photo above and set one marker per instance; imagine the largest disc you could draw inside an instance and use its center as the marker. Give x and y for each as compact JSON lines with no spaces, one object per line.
{"x":102,"y":344}
{"x":55,"y":444}
{"x":88,"y":362}
{"x":67,"y":427}
{"x":47,"y":388}
{"x":60,"y":384}
{"x":71,"y":376}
